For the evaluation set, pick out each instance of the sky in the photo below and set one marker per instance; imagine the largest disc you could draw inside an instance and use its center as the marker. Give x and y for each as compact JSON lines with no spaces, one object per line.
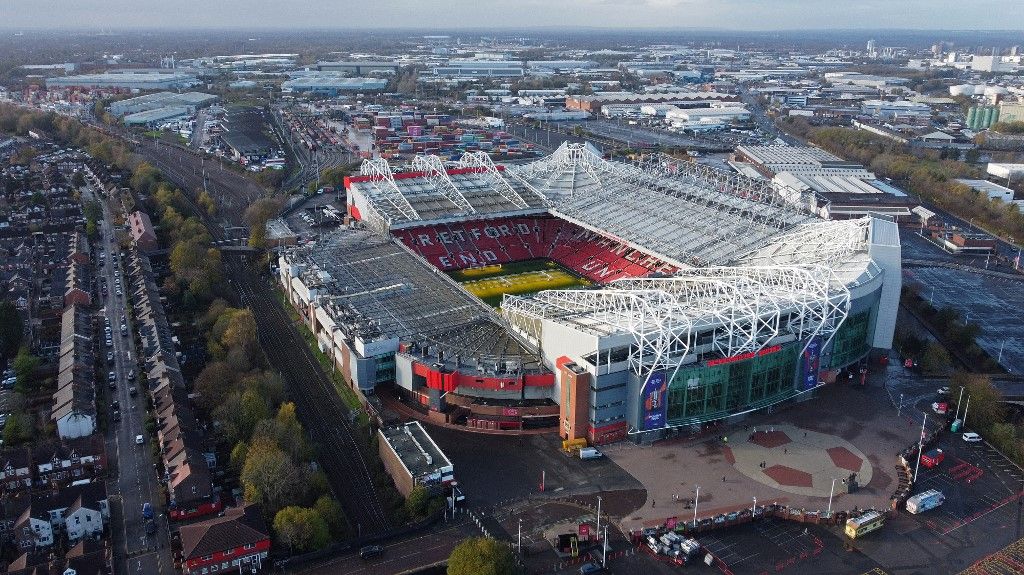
{"x":512,"y":14}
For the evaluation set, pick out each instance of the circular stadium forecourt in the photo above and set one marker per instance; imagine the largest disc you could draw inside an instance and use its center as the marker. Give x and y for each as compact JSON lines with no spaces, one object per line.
{"x":708,"y":295}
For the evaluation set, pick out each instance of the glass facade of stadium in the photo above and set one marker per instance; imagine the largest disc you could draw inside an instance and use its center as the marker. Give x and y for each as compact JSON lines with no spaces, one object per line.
{"x":718,"y":388}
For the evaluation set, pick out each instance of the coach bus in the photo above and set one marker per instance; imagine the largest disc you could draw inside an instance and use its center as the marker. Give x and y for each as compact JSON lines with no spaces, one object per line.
{"x":860,"y":526}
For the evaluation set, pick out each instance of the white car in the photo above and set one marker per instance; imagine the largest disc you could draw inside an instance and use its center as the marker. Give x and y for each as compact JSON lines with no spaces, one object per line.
{"x":943,"y":391}
{"x":971,"y":437}
{"x":139,"y":440}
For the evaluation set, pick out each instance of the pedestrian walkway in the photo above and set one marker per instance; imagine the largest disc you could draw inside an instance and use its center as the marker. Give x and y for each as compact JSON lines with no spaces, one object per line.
{"x":797,"y":460}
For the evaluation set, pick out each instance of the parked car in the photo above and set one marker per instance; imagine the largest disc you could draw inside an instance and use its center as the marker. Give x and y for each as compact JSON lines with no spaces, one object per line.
{"x":588,"y":568}
{"x":147,"y":509}
{"x":940,"y":407}
{"x":971,"y":437}
{"x":110,"y":356}
{"x":132,"y":391}
{"x":111,"y":376}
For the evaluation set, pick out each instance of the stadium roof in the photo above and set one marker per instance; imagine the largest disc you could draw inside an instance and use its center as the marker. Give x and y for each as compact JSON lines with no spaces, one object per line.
{"x":733,"y":310}
{"x":375,"y":287}
{"x":685,"y":213}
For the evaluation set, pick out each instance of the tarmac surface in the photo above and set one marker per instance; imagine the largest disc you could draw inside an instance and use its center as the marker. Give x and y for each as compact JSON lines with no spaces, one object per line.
{"x":992,"y":302}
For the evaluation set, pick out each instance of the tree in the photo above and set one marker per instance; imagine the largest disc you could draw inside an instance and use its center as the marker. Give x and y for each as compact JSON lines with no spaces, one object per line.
{"x":12,"y":329}
{"x":935,"y":360}
{"x":25,"y":365}
{"x":18,"y":429}
{"x":481,"y":556}
{"x":417,"y":501}
{"x":213,"y":385}
{"x":329,"y":508}
{"x":301,"y":529}
{"x":270,"y":477}
{"x":78,"y":180}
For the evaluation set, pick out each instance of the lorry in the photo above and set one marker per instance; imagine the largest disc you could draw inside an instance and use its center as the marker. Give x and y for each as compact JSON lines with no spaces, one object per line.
{"x":924,"y":501}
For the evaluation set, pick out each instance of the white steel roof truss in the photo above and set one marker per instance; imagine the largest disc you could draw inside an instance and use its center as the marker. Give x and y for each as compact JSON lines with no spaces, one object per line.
{"x":434,"y":168}
{"x":489,"y":172}
{"x":383,"y":182}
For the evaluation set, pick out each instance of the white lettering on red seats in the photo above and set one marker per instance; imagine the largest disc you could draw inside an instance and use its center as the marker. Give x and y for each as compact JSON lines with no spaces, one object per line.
{"x":425,"y":240}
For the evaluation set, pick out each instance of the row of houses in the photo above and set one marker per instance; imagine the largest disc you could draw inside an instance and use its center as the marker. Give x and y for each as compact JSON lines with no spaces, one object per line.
{"x":33,"y":522}
{"x":186,"y":464}
{"x":74,"y":402}
{"x":51,"y":464}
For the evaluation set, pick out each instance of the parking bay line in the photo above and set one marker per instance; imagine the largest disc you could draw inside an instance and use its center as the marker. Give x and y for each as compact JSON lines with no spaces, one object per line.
{"x":977,"y":516}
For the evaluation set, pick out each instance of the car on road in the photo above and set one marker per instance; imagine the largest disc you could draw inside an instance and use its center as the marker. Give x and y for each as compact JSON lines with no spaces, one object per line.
{"x":943,"y":390}
{"x":131,"y":374}
{"x":139,"y":440}
{"x":111,"y":376}
{"x":971,"y":437}
{"x":147,"y":508}
{"x":371,"y":551}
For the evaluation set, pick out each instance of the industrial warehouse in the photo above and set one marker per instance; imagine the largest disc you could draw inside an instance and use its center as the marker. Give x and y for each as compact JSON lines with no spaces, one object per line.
{"x":637,"y":298}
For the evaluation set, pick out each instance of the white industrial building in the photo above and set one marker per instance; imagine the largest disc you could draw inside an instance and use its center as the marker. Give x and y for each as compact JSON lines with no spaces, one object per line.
{"x":169,"y":80}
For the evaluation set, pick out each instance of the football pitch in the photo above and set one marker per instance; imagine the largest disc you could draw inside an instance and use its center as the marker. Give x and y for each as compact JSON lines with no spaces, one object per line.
{"x":491,"y":283}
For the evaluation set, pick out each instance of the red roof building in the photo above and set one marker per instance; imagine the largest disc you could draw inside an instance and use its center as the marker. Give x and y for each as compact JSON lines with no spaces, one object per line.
{"x":235,"y":542}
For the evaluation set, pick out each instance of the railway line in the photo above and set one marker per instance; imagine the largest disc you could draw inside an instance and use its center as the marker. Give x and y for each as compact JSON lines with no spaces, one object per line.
{"x":319,"y":408}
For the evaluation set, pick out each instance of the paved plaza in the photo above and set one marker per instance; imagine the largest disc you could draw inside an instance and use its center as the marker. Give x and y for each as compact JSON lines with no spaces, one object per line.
{"x":796,"y":460}
{"x":792,"y":459}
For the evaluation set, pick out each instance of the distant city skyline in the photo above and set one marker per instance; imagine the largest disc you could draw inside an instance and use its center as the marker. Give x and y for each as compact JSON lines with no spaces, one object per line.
{"x":781,"y":15}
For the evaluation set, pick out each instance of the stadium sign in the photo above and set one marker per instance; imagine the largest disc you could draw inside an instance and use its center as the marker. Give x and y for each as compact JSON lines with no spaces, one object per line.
{"x":743,"y":356}
{"x":654,"y":402}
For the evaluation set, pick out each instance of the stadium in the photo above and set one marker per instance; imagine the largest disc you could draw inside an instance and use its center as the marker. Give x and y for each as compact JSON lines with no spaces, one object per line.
{"x":608,"y":300}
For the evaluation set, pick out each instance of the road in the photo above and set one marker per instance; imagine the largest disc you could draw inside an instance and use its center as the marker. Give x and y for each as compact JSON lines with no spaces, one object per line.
{"x":402,"y":555}
{"x":320,"y":410}
{"x":136,"y":482}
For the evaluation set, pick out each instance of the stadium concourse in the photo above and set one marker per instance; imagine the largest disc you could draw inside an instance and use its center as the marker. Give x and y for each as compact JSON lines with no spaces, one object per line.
{"x":697,"y":295}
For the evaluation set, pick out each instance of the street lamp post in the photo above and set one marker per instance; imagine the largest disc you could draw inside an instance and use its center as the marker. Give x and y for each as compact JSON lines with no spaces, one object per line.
{"x":830,"y":494}
{"x":696,"y":500}
{"x":519,"y":538}
{"x":920,"y":443}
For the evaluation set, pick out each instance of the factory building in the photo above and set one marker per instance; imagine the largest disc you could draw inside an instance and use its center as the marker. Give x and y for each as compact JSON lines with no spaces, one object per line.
{"x":126,"y":80}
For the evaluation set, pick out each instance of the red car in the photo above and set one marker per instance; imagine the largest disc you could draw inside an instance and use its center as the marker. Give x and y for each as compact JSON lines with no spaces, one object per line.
{"x":933,"y":458}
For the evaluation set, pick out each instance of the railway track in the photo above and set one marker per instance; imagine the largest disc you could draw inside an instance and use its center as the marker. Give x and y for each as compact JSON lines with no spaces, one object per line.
{"x":319,"y":408}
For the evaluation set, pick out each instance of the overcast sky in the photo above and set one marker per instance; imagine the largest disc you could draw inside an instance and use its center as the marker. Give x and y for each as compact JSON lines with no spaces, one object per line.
{"x":447,"y":14}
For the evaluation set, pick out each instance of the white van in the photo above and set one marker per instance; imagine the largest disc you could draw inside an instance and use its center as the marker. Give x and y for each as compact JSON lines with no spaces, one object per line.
{"x":590,"y":453}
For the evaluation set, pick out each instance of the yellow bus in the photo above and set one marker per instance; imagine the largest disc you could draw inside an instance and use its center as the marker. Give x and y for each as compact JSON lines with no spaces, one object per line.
{"x":864,"y":524}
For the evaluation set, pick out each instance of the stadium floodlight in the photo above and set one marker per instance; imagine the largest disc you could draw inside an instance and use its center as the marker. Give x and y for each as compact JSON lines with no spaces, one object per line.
{"x":436,"y":172}
{"x":383,"y":182}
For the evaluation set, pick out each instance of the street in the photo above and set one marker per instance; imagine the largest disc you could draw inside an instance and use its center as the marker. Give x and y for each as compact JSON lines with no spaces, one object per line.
{"x":136,"y":481}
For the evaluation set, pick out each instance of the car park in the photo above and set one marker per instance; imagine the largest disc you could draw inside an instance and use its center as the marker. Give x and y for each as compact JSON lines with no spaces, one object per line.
{"x":971,"y":437}
{"x":588,"y":568}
